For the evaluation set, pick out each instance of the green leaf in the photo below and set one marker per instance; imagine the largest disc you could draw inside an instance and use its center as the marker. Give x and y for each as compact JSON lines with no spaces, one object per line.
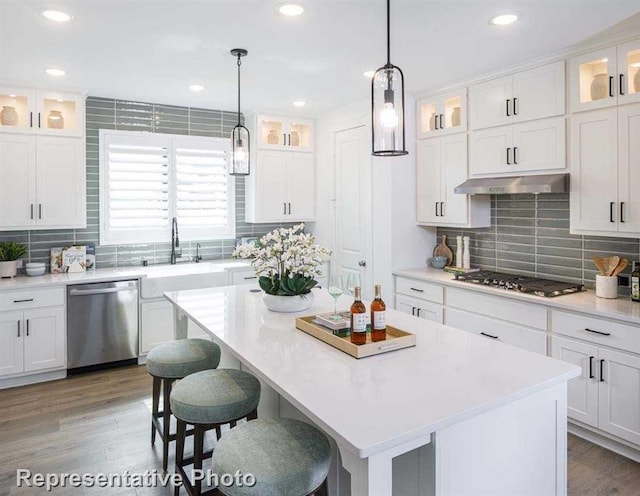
{"x":269,"y":285}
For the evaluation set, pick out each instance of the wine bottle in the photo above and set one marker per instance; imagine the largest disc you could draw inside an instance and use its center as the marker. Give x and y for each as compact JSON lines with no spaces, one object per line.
{"x":378,"y":317}
{"x":635,"y":282}
{"x":358,"y":319}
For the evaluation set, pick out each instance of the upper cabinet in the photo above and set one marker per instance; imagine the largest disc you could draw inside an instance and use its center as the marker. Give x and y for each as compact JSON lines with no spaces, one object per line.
{"x":442,"y":114}
{"x":41,"y":112}
{"x":606,"y":77}
{"x":533,"y":94}
{"x":283,"y":133}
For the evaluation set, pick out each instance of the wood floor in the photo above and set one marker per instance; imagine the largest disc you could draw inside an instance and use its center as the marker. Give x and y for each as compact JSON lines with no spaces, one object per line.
{"x":99,"y":423}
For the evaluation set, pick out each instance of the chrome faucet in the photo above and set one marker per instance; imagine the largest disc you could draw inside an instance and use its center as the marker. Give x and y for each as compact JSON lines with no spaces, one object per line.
{"x":175,"y":241}
{"x":198,"y":257}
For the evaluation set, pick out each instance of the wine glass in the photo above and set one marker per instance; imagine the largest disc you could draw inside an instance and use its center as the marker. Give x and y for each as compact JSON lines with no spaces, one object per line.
{"x":353,"y":280}
{"x":335,"y":290}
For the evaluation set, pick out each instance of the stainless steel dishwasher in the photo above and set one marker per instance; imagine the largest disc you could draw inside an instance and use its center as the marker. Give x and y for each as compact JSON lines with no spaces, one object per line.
{"x":102,"y":324}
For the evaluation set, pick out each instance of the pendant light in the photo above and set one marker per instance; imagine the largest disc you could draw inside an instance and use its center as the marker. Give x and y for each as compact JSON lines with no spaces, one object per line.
{"x":387,"y":106}
{"x":239,"y":163}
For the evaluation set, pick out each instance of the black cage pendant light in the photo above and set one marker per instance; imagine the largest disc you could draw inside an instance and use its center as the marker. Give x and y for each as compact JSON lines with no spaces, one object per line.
{"x":387,"y":106}
{"x":239,"y":164}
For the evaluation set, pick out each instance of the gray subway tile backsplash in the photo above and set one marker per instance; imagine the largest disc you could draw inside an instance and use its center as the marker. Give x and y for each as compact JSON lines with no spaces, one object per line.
{"x":530,"y":235}
{"x":107,"y":113}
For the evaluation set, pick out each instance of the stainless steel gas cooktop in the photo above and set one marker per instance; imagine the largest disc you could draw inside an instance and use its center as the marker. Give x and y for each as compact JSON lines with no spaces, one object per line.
{"x":523,"y":284}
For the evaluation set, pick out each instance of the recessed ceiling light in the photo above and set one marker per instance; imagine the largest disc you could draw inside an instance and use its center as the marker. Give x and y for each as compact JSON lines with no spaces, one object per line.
{"x":196,"y":87}
{"x":368,"y":74}
{"x":299,"y":103}
{"x":56,"y":15}
{"x":504,"y":19}
{"x":55,"y":72}
{"x":290,"y":9}
{"x":636,"y":65}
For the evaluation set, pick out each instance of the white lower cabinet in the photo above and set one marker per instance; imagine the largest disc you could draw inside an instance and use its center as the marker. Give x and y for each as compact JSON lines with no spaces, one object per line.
{"x":419,"y":298}
{"x":607,"y":394}
{"x":420,"y":308}
{"x":156,"y":324}
{"x":32,"y":341}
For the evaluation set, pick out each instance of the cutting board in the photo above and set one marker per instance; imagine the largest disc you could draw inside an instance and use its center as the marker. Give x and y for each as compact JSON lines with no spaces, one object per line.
{"x":442,"y":250}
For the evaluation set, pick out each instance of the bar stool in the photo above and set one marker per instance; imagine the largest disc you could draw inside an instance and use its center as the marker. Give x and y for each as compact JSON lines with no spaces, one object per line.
{"x":208,"y":400}
{"x":287,"y":457}
{"x":167,"y":363}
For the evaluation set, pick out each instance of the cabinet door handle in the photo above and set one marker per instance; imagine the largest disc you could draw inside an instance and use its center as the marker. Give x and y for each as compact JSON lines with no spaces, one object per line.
{"x":601,"y":370}
{"x":39,"y":120}
{"x":435,"y":121}
{"x":284,"y":208}
{"x":611,"y":204}
{"x":413,"y":311}
{"x":489,"y":335}
{"x":437,"y":209}
{"x":30,"y":119}
{"x":515,"y":108}
{"x":591,"y":367}
{"x":622,"y":84}
{"x":597,"y":332}
{"x":18,"y":328}
{"x":39,"y":210}
{"x":289,"y":139}
{"x":441,"y":121}
{"x":23,"y":301}
{"x":32,"y":211}
{"x":515,"y":155}
{"x":289,"y":208}
{"x":622,"y":212}
{"x":417,"y":290}
{"x":27,"y":327}
{"x":508,"y":156}
{"x":611,"y":86}
{"x":284,"y":139}
{"x":249,"y":278}
{"x":441,"y":209}
{"x":418,"y":312}
{"x":508,"y":114}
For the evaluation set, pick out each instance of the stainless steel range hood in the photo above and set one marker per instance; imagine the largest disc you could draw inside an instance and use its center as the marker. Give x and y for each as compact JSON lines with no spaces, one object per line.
{"x":548,"y":183}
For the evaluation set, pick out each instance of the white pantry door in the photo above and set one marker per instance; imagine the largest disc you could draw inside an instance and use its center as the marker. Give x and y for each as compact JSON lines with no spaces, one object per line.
{"x":354,"y":232}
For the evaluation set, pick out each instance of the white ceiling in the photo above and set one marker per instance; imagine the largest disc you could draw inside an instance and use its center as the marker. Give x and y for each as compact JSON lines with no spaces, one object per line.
{"x":151,"y":50}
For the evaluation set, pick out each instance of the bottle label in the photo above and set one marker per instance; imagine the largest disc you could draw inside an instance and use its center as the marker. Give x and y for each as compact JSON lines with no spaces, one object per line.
{"x":635,"y":288}
{"x":380,"y":320}
{"x":359,"y":322}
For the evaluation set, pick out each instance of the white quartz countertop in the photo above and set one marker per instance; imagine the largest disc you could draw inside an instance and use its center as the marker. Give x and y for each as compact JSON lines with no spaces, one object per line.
{"x":585,"y":302}
{"x":121,"y":273}
{"x":380,"y":402}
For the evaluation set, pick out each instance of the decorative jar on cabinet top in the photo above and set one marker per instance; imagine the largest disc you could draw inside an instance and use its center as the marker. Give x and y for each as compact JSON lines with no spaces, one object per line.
{"x":455,"y":117}
{"x":8,"y":116}
{"x":55,"y":120}
{"x":599,"y":86}
{"x":272,"y":137}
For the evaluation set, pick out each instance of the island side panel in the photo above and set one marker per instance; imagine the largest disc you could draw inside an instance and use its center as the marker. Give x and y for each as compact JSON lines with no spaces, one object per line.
{"x":520,"y":448}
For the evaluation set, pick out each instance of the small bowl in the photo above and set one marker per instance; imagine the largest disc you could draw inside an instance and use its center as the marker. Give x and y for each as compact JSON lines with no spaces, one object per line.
{"x":439,"y":262}
{"x":35,"y":268}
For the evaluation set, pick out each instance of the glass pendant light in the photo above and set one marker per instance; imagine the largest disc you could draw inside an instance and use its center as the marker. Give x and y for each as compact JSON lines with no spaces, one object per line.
{"x":239,"y":163}
{"x":387,"y":106}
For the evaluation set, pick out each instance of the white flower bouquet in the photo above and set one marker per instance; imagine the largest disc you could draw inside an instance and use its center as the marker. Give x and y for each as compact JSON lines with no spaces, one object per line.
{"x":286,"y":261}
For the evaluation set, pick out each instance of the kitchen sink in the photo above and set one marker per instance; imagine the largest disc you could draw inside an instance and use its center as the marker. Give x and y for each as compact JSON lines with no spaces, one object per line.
{"x":162,"y":278}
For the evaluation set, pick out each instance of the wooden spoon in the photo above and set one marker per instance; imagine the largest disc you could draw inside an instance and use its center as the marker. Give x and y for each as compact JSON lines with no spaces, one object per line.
{"x":601,"y":264}
{"x":613,"y":263}
{"x":621,"y":266}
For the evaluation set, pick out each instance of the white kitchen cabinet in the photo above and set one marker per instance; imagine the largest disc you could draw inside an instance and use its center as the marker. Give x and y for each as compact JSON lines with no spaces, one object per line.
{"x":242,"y":277}
{"x":607,"y":394}
{"x":42,"y":182}
{"x":529,"y":147}
{"x":605,"y":154}
{"x":32,"y":340}
{"x":41,"y":112}
{"x":419,"y":298}
{"x":441,"y":166}
{"x":442,"y":114}
{"x":156,"y":324}
{"x":533,"y":94}
{"x":281,"y":188}
{"x":606,"y":77}
{"x":419,"y":308}
{"x":275,"y":132}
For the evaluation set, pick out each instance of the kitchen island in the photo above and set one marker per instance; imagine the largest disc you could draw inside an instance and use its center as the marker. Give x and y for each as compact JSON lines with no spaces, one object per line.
{"x":463,"y":414}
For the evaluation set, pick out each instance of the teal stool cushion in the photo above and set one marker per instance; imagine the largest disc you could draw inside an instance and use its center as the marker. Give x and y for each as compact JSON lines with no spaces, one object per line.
{"x":215,"y":396}
{"x":180,"y":358}
{"x":286,"y":456}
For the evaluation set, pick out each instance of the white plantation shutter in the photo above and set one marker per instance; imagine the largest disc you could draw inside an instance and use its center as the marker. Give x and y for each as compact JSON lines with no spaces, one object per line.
{"x":146,"y":179}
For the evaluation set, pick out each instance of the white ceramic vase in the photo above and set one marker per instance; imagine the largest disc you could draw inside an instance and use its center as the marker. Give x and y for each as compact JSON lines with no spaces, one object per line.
{"x":599,"y":86}
{"x":288,"y":304}
{"x":606,"y":286}
{"x":8,"y":116}
{"x":8,"y":269}
{"x":55,"y":120}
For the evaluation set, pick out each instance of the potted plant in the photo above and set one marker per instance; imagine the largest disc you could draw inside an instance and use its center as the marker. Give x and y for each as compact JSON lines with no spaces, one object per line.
{"x":10,"y":252}
{"x":286,"y":261}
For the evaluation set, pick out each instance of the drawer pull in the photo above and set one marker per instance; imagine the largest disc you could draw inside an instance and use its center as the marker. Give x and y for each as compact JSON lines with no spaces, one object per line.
{"x":418,"y":290}
{"x":23,"y":301}
{"x":252,"y":277}
{"x":601,"y":370}
{"x":489,"y":335}
{"x":597,"y":332}
{"x":27,"y":327}
{"x":591,"y":367}
{"x":413,"y":311}
{"x":418,"y":312}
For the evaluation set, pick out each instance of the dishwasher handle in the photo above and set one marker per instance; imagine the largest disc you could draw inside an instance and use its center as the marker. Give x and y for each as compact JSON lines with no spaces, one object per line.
{"x":88,"y":292}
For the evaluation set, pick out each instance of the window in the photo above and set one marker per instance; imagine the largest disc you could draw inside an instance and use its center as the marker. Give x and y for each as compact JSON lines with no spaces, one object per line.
{"x":146,"y":179}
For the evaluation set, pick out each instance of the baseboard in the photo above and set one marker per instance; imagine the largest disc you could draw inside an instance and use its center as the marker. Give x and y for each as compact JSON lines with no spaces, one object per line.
{"x":32,"y":379}
{"x":600,"y":438}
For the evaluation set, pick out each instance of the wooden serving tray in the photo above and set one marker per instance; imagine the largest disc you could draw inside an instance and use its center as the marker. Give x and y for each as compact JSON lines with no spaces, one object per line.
{"x":396,"y":339}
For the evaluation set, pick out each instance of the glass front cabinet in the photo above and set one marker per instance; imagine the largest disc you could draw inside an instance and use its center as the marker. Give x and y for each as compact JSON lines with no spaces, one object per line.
{"x":41,"y":112}
{"x":284,"y":133}
{"x":442,"y":114}
{"x":606,"y":77}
